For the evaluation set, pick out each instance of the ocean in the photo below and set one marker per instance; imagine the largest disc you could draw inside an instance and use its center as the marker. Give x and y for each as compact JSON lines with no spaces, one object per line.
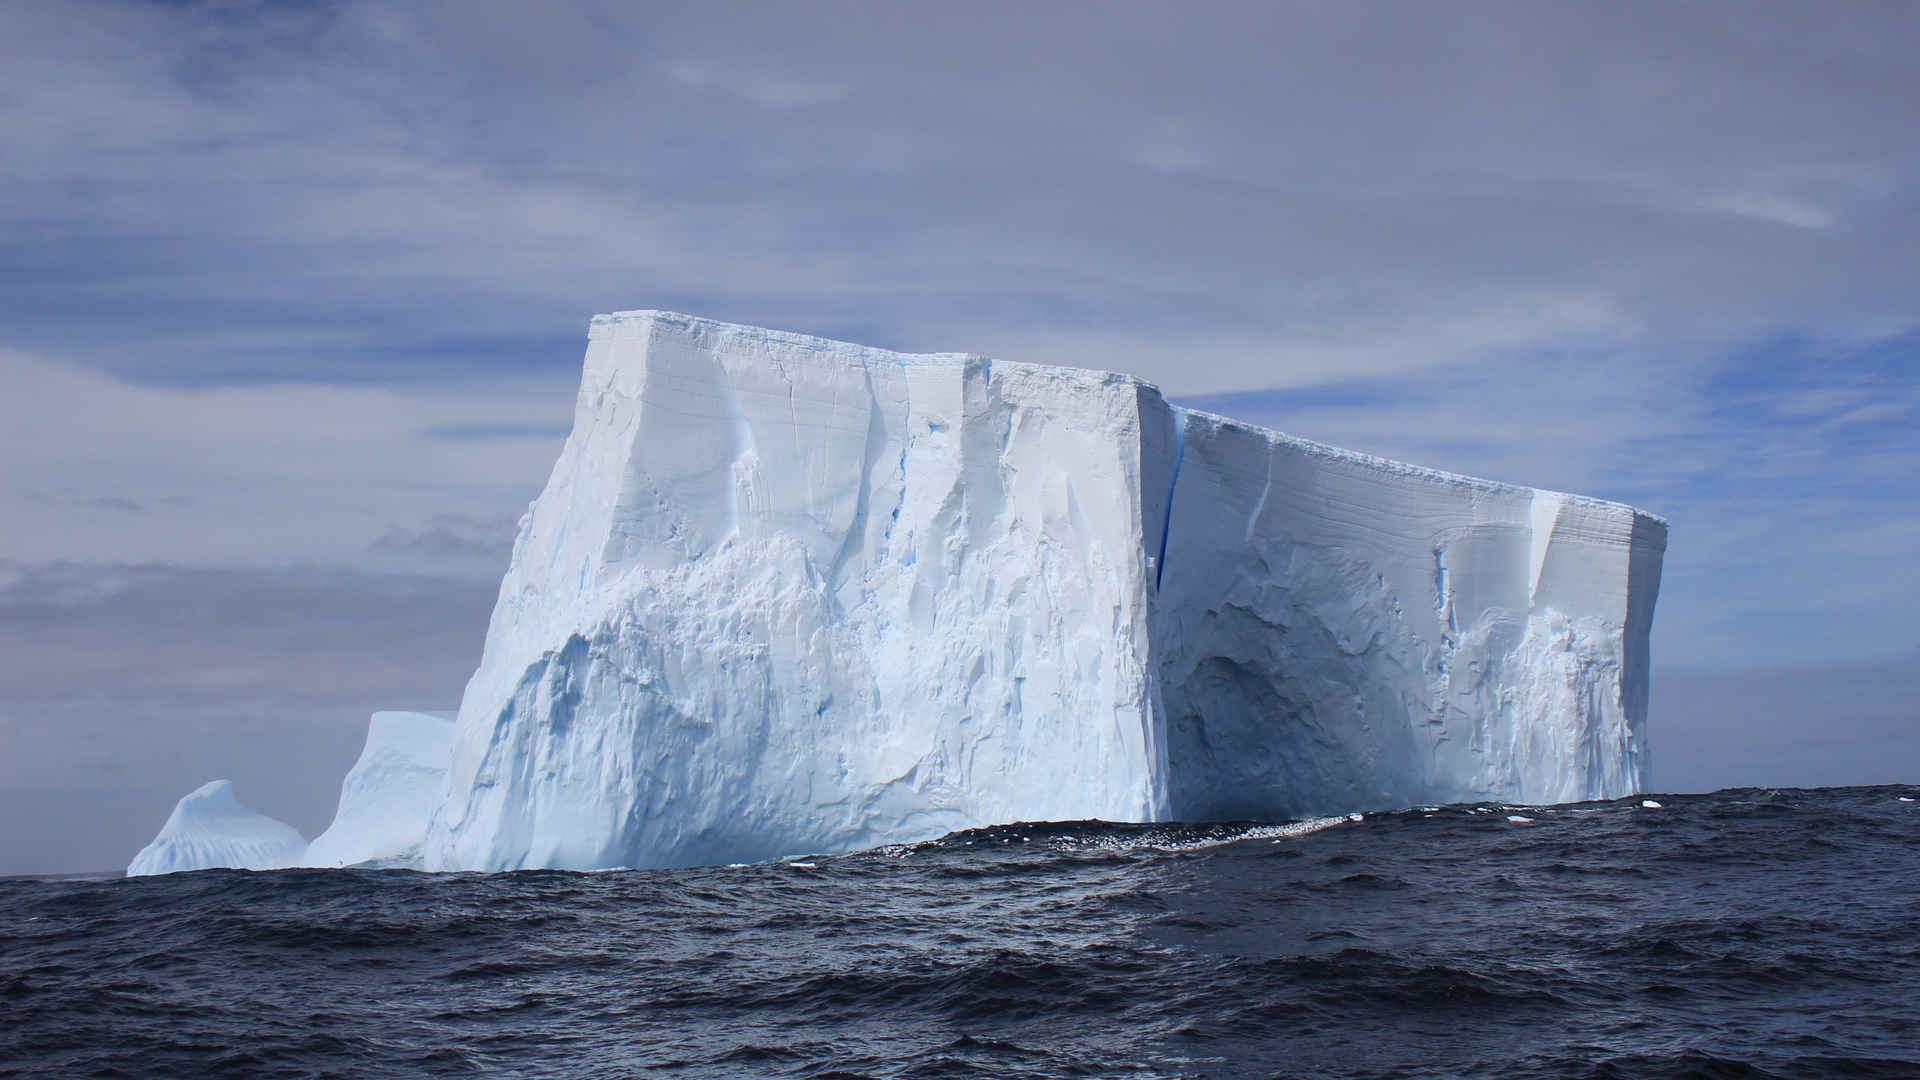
{"x":1748,"y":933}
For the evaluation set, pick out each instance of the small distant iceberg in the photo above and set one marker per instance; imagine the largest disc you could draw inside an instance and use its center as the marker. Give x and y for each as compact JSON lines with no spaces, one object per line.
{"x":386,"y":804}
{"x":213,"y":828}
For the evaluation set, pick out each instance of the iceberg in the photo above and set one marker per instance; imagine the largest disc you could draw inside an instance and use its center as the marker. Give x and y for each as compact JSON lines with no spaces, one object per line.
{"x":389,"y":797}
{"x":784,"y":595}
{"x":211,"y":828}
{"x":386,"y":803}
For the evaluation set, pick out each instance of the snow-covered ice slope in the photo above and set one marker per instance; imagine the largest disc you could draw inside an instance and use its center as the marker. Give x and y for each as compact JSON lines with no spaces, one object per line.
{"x":784,"y":594}
{"x":211,"y":828}
{"x":389,"y":797}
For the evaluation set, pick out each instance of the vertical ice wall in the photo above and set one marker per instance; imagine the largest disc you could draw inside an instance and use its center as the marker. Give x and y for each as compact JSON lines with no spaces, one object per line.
{"x":784,"y":594}
{"x":1334,"y":630}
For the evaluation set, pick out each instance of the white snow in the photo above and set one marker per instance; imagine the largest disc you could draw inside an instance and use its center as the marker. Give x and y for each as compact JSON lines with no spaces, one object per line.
{"x":210,"y":828}
{"x":783,"y":595}
{"x":390,"y":795}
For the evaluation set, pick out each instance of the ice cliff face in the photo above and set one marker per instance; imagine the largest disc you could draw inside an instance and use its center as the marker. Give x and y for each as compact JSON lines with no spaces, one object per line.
{"x":784,"y":594}
{"x":1335,"y":631}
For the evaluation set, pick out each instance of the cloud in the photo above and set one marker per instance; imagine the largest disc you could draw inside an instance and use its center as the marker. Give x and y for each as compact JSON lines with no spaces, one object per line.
{"x":94,"y":468}
{"x":547,"y":433}
{"x":1219,"y":200}
{"x":449,"y":543}
{"x":754,"y":84}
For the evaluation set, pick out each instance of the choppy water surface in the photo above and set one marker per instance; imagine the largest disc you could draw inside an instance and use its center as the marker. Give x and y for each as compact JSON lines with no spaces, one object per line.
{"x":1744,"y":934}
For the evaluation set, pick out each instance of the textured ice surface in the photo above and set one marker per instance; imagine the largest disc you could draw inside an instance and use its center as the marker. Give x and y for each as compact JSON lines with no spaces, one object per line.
{"x":1335,"y":630}
{"x":784,"y":594}
{"x":210,"y":828}
{"x":390,"y":795}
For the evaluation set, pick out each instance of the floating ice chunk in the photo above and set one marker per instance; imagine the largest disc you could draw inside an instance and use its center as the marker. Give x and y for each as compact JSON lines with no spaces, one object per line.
{"x":1649,"y":804}
{"x":1518,"y":817}
{"x":211,"y":829}
{"x":390,"y":796}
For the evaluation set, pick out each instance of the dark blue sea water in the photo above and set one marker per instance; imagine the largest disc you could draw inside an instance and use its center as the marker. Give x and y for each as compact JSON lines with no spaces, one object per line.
{"x":1750,"y":933}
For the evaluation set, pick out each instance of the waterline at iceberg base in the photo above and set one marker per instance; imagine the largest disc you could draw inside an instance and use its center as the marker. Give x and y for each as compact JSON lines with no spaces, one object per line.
{"x":786,"y":595}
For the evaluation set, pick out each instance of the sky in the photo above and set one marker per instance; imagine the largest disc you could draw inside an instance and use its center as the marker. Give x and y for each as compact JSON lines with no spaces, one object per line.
{"x":293,"y":298}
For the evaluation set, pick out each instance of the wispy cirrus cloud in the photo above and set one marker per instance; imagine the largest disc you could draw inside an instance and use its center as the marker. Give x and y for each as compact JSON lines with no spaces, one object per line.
{"x":94,"y":468}
{"x":1215,"y":199}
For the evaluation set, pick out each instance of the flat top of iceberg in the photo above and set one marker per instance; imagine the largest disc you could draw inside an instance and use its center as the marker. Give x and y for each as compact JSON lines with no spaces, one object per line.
{"x":1421,"y":472}
{"x":699,"y":325}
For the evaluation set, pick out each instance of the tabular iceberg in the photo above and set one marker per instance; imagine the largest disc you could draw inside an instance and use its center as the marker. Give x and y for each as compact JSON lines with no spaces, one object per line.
{"x":783,"y":594}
